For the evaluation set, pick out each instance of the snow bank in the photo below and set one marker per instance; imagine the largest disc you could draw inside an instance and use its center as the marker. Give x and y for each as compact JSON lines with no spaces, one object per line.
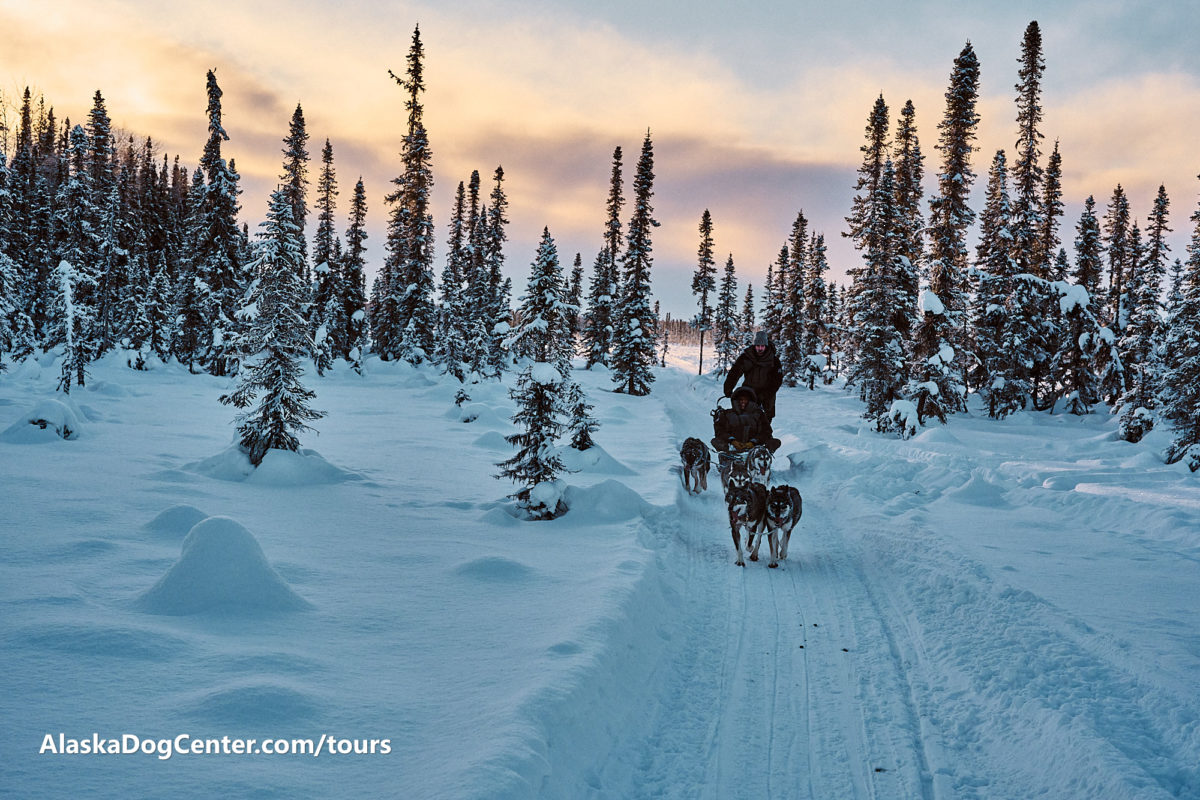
{"x":222,"y":570}
{"x":278,"y":468}
{"x":48,"y":421}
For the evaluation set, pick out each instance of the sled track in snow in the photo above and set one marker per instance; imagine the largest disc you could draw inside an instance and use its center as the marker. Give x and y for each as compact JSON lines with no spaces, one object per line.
{"x":786,"y":683}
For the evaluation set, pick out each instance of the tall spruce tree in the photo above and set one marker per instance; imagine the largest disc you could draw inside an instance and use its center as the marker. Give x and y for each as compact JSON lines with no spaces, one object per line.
{"x":354,"y":282}
{"x":704,"y":281}
{"x":726,"y":324}
{"x":878,"y":365}
{"x":328,"y":325}
{"x":575,"y":297}
{"x":1075,"y":364}
{"x":277,"y":338}
{"x":1027,"y":174}
{"x":405,"y":306}
{"x":748,"y":320}
{"x":942,"y":336}
{"x":604,"y":287}
{"x":295,"y":181}
{"x":816,"y":312}
{"x":910,"y":170}
{"x":1116,"y":238}
{"x":793,"y":318}
{"x":633,"y":341}
{"x":1181,"y":402}
{"x":1140,"y":347}
{"x":216,"y":253}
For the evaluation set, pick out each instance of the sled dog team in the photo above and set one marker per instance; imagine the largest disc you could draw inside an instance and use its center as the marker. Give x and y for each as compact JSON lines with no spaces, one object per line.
{"x":755,"y":512}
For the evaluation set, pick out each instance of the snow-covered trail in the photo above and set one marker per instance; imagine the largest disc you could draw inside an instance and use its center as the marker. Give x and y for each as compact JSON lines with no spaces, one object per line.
{"x":883,"y":660}
{"x":775,"y":680}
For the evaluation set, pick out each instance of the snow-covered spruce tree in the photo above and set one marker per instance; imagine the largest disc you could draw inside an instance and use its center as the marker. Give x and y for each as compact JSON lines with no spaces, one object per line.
{"x":747,"y":329}
{"x":452,"y":316}
{"x":277,"y":339}
{"x":793,"y":319}
{"x":1141,"y":344}
{"x":497,"y":309}
{"x":704,"y":281}
{"x":1028,"y":219}
{"x":770,"y":305}
{"x":816,"y":312}
{"x":76,"y":223}
{"x":581,"y":424}
{"x":864,"y":220}
{"x":405,"y":309}
{"x":603,"y":289}
{"x":943,"y":336}
{"x":75,"y":322}
{"x":633,"y":341}
{"x":864,"y":211}
{"x":354,"y":282}
{"x":326,"y":311}
{"x":1181,"y":396}
{"x":726,"y":325}
{"x":575,"y":297}
{"x":910,"y":169}
{"x":1003,"y":373}
{"x":216,"y":255}
{"x":1175,"y":293}
{"x":543,"y":332}
{"x":878,"y":368}
{"x":1117,"y":239}
{"x":665,"y":338}
{"x":295,"y":182}
{"x":1073,"y":369}
{"x":536,"y":466}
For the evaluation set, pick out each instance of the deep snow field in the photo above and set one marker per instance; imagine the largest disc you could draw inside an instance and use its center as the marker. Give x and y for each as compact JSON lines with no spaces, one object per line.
{"x":988,"y":610}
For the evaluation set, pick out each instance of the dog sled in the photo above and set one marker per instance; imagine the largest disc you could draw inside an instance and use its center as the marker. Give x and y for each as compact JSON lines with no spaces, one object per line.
{"x":757,"y":510}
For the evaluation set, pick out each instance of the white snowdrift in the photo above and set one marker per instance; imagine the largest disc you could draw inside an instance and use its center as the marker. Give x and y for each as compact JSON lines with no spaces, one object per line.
{"x":280,"y":468}
{"x":222,"y":570}
{"x":48,"y":421}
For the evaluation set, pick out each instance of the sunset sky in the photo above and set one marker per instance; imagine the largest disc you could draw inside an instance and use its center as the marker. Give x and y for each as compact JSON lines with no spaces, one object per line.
{"x":757,"y":110}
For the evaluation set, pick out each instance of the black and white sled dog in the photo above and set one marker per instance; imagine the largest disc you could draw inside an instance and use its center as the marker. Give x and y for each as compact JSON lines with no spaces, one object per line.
{"x":747,"y":504}
{"x":696,"y":463}
{"x":734,"y":473}
{"x":782,"y":509}
{"x":758,"y":461}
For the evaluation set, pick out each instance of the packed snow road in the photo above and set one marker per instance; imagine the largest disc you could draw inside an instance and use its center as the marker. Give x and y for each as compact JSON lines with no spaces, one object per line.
{"x":884,"y":659}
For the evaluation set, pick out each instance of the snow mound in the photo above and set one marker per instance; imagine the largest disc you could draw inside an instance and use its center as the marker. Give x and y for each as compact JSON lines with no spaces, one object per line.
{"x":495,"y":569}
{"x":938,"y":434}
{"x":222,"y":569}
{"x":477,"y":412}
{"x":493,"y":440}
{"x":979,"y":491}
{"x":610,"y":501}
{"x":48,"y":421}
{"x":255,"y":705}
{"x":278,"y":468}
{"x":594,"y":459}
{"x":176,"y":520}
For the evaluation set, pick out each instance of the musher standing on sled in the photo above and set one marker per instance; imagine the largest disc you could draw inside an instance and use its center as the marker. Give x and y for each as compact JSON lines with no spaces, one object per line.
{"x":760,"y":365}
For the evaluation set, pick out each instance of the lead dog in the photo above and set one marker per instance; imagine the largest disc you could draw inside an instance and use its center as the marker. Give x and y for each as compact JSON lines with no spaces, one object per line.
{"x":781,"y":512}
{"x":758,"y":461}
{"x":747,"y":502}
{"x":696,"y":463}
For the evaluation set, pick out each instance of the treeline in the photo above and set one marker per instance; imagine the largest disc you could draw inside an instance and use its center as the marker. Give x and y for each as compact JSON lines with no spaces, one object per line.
{"x":108,"y":246}
{"x":1029,"y":321}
